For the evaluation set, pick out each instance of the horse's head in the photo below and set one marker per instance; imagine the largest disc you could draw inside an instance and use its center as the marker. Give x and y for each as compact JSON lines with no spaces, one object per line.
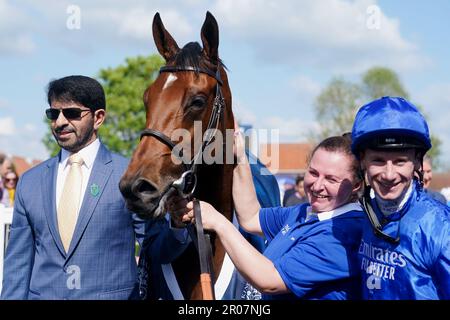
{"x":184,"y":98}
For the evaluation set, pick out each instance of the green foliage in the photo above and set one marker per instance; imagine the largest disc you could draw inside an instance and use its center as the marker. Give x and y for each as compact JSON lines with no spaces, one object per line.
{"x":435,"y":152}
{"x":124,"y":87}
{"x":125,"y":112}
{"x":49,"y":142}
{"x":337,"y":104}
{"x":137,"y":249}
{"x":380,"y":82}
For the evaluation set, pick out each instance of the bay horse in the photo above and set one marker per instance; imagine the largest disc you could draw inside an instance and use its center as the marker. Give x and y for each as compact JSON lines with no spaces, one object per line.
{"x":191,"y":88}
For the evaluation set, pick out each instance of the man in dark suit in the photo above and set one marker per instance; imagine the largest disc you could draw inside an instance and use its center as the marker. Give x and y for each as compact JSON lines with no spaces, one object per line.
{"x":72,"y":236}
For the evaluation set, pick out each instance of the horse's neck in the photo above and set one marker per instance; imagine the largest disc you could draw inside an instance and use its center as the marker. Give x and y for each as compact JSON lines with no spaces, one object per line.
{"x":216,"y":188}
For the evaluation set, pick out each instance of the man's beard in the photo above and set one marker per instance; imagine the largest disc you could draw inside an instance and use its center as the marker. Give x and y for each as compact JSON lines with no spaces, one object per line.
{"x":79,"y":143}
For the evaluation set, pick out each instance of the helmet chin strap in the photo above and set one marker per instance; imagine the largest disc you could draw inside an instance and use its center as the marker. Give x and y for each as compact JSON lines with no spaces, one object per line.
{"x":420,"y":178}
{"x":419,"y":155}
{"x":376,"y":225}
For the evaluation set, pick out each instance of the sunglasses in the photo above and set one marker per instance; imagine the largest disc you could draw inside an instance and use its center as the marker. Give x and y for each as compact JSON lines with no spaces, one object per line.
{"x":69,"y":113}
{"x":8,"y":179}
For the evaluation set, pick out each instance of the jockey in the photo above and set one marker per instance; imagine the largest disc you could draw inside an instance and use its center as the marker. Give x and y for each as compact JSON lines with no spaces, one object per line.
{"x":405,"y":247}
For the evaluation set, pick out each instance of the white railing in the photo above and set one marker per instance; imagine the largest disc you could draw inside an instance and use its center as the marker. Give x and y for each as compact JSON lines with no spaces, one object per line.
{"x":5,"y":222}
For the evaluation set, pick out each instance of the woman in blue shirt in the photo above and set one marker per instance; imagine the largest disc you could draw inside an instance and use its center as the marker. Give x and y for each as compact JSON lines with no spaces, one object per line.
{"x":312,"y":248}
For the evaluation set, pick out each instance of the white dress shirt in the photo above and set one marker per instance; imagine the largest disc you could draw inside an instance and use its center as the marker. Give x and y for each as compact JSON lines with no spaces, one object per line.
{"x":88,"y":154}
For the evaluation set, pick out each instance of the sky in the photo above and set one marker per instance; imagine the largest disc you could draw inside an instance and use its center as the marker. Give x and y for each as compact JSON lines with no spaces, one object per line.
{"x":280,"y":54}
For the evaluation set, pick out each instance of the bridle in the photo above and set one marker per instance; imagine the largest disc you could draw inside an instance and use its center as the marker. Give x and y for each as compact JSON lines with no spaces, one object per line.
{"x":187,"y":182}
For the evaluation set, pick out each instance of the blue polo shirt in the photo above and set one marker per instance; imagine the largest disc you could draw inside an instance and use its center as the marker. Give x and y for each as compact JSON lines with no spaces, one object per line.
{"x":315,"y":254}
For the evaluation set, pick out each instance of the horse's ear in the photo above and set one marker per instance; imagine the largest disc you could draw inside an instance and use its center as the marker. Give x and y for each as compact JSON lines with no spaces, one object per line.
{"x":210,"y":37}
{"x":165,"y":44}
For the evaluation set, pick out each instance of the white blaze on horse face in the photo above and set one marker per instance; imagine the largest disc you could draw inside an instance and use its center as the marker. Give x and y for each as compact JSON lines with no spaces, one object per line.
{"x":170,"y":79}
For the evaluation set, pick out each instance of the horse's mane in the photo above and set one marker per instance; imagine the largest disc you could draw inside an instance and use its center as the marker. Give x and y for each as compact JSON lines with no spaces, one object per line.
{"x":191,"y":56}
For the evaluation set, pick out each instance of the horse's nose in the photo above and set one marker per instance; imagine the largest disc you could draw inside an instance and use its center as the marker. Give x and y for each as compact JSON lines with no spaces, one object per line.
{"x":125,"y":189}
{"x":144,"y":189}
{"x":141,"y":196}
{"x":139,"y":189}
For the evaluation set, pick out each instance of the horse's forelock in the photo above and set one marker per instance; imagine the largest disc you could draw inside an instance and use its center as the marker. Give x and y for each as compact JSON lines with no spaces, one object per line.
{"x":191,"y":56}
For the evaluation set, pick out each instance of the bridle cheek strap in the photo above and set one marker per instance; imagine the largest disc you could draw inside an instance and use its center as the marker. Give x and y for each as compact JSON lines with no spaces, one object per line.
{"x":187,"y":182}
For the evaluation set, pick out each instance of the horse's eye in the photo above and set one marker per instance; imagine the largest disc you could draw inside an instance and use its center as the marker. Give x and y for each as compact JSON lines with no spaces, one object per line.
{"x":198,"y":103}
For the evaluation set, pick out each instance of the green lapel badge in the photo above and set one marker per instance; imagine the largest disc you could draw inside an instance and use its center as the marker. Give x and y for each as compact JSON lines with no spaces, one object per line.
{"x":95,"y":189}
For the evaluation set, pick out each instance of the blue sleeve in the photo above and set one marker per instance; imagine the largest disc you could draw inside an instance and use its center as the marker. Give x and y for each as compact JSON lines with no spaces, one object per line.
{"x":273,"y":219}
{"x":164,"y":244}
{"x":442,"y":266}
{"x":140,"y":227}
{"x":266,"y":186}
{"x":316,"y":260}
{"x":20,"y":252}
{"x":267,"y":192}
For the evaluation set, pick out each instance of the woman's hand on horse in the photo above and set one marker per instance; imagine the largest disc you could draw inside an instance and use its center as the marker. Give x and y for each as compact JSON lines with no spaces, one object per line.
{"x":239,"y":147}
{"x":177,"y":209}
{"x":210,"y":216}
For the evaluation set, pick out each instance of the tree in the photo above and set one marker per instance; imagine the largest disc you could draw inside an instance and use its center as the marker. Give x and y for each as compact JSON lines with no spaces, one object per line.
{"x":435,"y":152}
{"x":125,"y":112}
{"x":124,"y":87}
{"x":335,"y":108}
{"x":379,"y":82}
{"x":49,"y":142}
{"x":337,"y":104}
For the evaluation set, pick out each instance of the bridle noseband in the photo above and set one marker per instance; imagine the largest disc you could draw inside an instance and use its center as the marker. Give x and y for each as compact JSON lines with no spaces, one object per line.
{"x":187,"y":182}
